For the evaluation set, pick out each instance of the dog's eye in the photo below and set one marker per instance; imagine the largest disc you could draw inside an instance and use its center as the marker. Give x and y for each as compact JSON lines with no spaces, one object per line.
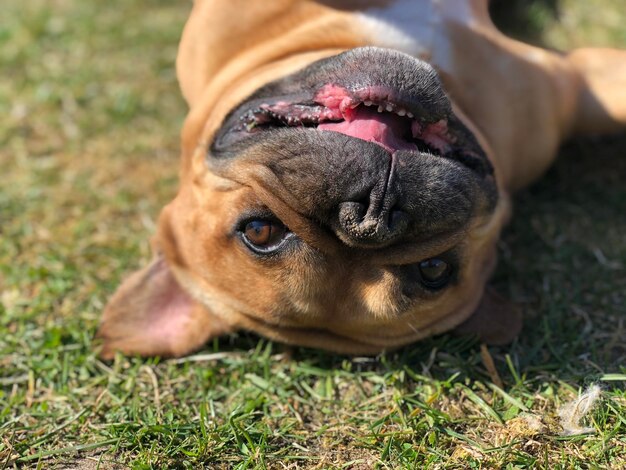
{"x":264,"y":235}
{"x":435,"y":273}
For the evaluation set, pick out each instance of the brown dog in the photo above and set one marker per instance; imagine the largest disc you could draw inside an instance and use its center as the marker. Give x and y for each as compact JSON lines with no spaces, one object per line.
{"x":346,"y":171}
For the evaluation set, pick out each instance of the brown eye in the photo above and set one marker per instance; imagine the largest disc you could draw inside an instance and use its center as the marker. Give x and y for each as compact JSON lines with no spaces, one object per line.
{"x":435,"y":272}
{"x":264,"y":235}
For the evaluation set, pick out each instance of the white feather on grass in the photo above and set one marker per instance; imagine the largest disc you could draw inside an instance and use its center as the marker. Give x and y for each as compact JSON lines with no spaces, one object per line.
{"x":573,"y":412}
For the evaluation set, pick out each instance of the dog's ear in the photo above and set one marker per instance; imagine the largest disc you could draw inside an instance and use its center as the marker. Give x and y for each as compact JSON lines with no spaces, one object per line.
{"x":150,"y":314}
{"x":496,"y":321}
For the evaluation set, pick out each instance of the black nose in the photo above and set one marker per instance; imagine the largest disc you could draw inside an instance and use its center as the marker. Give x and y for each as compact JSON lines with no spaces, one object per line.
{"x":377,"y":219}
{"x":411,"y":197}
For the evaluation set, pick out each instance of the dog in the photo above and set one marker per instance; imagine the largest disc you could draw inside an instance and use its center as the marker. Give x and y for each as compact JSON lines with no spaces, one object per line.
{"x":346,"y":170}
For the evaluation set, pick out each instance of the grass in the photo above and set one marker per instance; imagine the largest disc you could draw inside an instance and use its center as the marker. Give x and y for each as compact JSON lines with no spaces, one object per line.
{"x":88,"y":151}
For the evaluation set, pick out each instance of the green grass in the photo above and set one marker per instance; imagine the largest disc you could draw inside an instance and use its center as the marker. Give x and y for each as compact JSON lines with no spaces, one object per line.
{"x":88,"y":152}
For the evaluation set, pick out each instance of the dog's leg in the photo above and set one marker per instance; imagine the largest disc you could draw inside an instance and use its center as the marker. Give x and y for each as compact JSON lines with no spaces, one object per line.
{"x":549,"y":96}
{"x":602,"y":100}
{"x":150,"y":314}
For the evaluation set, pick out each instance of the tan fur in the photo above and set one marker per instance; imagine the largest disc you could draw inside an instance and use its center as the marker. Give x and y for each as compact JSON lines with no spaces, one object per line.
{"x":520,"y":101}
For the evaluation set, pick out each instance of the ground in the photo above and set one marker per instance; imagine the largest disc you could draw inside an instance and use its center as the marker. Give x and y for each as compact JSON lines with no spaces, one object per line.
{"x":88,"y":151}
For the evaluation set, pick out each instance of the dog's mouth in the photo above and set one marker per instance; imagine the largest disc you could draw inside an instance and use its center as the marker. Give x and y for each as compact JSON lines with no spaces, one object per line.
{"x":376,"y":114}
{"x":375,"y":95}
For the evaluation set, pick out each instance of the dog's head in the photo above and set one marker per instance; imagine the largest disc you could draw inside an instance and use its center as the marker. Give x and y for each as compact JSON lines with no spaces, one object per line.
{"x":346,"y":206}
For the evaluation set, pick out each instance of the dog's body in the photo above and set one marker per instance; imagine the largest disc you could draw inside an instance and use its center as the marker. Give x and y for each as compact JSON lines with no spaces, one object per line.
{"x":282,"y":133}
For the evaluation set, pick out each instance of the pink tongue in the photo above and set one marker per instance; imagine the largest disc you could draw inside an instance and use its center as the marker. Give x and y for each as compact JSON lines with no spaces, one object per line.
{"x":385,"y":129}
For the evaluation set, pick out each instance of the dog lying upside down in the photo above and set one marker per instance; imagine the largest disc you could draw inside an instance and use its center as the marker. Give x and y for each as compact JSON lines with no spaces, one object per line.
{"x":346,"y":171}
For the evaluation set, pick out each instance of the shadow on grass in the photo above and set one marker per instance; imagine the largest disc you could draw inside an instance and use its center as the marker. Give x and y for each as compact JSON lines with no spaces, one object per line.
{"x":564,"y":258}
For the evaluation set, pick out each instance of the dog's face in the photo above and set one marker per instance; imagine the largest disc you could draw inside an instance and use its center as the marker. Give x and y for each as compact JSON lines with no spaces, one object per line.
{"x":347,"y":198}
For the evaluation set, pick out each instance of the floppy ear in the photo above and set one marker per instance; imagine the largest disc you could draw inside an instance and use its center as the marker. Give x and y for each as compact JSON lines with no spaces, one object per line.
{"x":496,"y":321}
{"x":150,"y":314}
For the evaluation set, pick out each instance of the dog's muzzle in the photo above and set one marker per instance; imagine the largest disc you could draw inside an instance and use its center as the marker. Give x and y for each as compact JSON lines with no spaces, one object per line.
{"x":364,"y":143}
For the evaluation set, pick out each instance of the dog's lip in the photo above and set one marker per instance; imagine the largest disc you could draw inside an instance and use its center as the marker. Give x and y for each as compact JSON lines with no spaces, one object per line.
{"x":331,"y":89}
{"x":335,"y":104}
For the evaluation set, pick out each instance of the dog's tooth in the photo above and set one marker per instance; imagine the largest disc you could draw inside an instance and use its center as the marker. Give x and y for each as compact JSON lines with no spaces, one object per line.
{"x":409,"y":114}
{"x":401,"y":112}
{"x":367,"y":103}
{"x":380,"y":108}
{"x":389,"y":108}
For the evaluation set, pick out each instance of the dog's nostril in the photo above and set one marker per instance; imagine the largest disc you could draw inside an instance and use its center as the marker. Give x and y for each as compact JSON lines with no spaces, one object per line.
{"x":351,"y":214}
{"x":398,"y":220}
{"x":358,"y":225}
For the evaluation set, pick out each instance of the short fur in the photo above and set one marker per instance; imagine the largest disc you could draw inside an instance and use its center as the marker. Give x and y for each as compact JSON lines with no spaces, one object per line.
{"x":512,"y":103}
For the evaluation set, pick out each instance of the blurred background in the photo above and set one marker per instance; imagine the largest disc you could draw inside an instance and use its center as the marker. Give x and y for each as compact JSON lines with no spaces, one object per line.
{"x":562,"y":24}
